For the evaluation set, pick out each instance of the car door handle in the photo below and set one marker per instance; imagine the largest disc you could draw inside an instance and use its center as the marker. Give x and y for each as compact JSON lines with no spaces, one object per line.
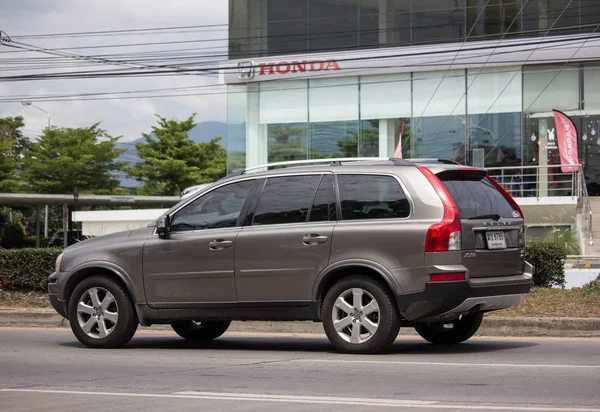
{"x":313,"y":239}
{"x":219,"y":244}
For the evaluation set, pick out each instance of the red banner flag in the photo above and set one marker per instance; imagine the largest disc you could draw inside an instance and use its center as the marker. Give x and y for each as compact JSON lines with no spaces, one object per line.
{"x":398,"y":152}
{"x":566,"y":134}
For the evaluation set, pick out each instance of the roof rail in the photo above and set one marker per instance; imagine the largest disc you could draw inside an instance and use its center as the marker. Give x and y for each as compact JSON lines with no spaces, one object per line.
{"x":332,"y":161}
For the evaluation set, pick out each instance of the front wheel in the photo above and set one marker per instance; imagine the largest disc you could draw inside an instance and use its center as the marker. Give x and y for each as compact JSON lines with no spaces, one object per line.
{"x":101,"y":314}
{"x":200,"y":330}
{"x":359,"y":316}
{"x":452,"y":333}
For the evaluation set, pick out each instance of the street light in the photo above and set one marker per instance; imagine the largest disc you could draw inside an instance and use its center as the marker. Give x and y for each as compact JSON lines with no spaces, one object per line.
{"x":26,"y":103}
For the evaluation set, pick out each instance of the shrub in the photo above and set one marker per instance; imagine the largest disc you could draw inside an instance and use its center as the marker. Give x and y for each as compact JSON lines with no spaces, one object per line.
{"x":27,"y":268}
{"x":548,"y":260}
{"x":592,"y":288}
{"x":564,"y":237}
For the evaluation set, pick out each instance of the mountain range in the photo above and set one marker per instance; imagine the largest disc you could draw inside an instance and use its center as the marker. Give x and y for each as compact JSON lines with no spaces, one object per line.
{"x":203,"y":132}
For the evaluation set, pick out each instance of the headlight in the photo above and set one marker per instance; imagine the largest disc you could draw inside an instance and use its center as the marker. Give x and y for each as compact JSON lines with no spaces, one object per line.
{"x":58,"y":262}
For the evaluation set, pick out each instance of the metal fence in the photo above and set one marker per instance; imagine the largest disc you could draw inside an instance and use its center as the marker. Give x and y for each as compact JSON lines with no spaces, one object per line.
{"x":547,"y":181}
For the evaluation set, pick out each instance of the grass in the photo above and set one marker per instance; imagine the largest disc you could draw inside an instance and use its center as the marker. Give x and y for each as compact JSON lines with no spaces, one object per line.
{"x":23,"y":299}
{"x":544,"y":303}
{"x":580,"y":303}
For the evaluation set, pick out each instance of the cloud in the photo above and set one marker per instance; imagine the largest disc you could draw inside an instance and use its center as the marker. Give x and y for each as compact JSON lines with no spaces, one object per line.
{"x":126,"y":117}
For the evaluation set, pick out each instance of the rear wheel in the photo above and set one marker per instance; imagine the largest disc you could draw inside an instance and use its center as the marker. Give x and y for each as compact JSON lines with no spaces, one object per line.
{"x":452,"y":333}
{"x":359,"y":316}
{"x":200,"y":330}
{"x":101,"y":314}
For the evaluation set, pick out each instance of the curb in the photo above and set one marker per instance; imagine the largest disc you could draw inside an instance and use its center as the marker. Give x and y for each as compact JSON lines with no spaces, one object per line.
{"x":491,"y":326}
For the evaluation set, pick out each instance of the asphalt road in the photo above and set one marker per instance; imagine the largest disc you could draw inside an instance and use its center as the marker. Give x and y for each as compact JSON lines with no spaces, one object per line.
{"x":47,"y":369}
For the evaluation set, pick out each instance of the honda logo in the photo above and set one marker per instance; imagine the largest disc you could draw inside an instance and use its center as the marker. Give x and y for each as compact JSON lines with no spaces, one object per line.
{"x":245,"y":70}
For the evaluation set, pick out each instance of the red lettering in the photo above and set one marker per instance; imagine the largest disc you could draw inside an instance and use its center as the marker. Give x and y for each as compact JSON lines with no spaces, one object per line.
{"x":299,"y":66}
{"x":283,"y":68}
{"x":313,"y":68}
{"x":265,"y":69}
{"x":332,"y":64}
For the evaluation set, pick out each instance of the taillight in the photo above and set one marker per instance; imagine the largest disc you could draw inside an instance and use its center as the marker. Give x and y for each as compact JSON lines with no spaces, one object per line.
{"x":445,"y":235}
{"x":507,"y":196}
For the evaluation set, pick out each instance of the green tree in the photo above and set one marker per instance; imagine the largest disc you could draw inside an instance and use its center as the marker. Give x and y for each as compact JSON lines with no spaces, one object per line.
{"x":172,"y":161}
{"x":12,"y":144}
{"x":63,"y":158}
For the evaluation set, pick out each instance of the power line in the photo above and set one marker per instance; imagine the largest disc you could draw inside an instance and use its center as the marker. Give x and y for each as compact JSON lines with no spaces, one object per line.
{"x":166,"y":70}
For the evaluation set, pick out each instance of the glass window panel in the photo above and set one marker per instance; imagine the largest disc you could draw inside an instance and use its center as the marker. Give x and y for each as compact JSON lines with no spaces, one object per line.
{"x":558,"y":16}
{"x":439,"y":20}
{"x":333,"y":99}
{"x":494,"y":90}
{"x":247,"y":29}
{"x":590,"y":14}
{"x":436,"y":95}
{"x":497,"y":136}
{"x":333,"y":24}
{"x":217,"y":209}
{"x":368,"y":23}
{"x":385,"y":96}
{"x":286,"y":200}
{"x":369,"y":138}
{"x":372,"y":197}
{"x":487,"y":19}
{"x":334,"y":139}
{"x":287,"y":26}
{"x":591,"y":88}
{"x":287,"y":141}
{"x":396,"y":14}
{"x":441,"y":137}
{"x":284,"y":101}
{"x":550,"y":87}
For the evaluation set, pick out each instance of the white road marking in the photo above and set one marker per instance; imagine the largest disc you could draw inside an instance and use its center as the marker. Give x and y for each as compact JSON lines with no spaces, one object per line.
{"x":323,"y":400}
{"x":461,"y":364}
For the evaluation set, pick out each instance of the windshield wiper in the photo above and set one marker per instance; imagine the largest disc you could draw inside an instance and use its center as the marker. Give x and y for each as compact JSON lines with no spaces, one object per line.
{"x":494,"y":216}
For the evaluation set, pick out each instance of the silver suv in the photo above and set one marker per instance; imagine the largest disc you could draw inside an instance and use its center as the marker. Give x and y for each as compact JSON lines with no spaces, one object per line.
{"x":364,"y":246}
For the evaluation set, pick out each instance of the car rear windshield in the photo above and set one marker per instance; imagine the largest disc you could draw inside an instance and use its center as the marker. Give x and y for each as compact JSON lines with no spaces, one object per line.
{"x":475,"y":195}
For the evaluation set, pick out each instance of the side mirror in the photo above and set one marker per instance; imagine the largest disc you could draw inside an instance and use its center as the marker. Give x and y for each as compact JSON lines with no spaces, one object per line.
{"x":163,"y":226}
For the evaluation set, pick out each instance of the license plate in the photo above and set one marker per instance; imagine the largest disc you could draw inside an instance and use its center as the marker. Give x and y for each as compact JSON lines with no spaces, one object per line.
{"x":495,"y":240}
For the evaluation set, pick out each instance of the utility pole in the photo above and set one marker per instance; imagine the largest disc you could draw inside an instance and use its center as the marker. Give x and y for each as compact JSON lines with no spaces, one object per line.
{"x":46,"y":218}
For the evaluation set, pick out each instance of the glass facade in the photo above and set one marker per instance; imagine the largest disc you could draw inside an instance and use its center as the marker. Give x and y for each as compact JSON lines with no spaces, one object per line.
{"x":492,"y":117}
{"x":276,"y":27}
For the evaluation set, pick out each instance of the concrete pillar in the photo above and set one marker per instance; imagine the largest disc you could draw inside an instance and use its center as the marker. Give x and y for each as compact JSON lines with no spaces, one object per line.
{"x":543,"y":158}
{"x":256,"y":133}
{"x":37,"y":225}
{"x":388,"y":131}
{"x":65,"y":219}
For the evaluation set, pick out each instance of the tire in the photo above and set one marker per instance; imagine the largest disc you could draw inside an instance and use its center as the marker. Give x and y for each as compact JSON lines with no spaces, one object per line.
{"x":200,"y":331}
{"x":459,"y":331}
{"x":354,"y":331}
{"x":107,"y":320}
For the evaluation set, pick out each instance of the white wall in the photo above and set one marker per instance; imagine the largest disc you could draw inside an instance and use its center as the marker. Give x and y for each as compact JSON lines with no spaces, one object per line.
{"x":98,"y":223}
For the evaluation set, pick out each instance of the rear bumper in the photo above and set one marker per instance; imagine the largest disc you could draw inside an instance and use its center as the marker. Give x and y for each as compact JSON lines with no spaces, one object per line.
{"x":446,"y":300}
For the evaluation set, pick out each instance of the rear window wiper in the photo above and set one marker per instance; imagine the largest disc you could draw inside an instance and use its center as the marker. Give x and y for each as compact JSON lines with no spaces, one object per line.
{"x":494,"y":216}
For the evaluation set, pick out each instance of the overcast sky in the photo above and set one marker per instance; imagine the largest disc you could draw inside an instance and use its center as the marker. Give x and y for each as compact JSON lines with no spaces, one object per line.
{"x":128,"y":118}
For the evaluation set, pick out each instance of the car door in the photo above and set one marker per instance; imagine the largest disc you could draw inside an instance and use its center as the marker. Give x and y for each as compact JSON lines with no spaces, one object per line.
{"x":195,"y":262}
{"x":287,"y":244}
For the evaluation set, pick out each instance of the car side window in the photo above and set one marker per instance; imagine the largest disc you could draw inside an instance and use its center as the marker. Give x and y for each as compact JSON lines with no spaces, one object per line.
{"x":219,"y":208}
{"x":372,"y":197}
{"x":323,"y":207}
{"x":286,"y":199}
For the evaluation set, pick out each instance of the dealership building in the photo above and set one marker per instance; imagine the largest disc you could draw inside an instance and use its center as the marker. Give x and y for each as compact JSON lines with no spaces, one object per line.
{"x":470,"y":80}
